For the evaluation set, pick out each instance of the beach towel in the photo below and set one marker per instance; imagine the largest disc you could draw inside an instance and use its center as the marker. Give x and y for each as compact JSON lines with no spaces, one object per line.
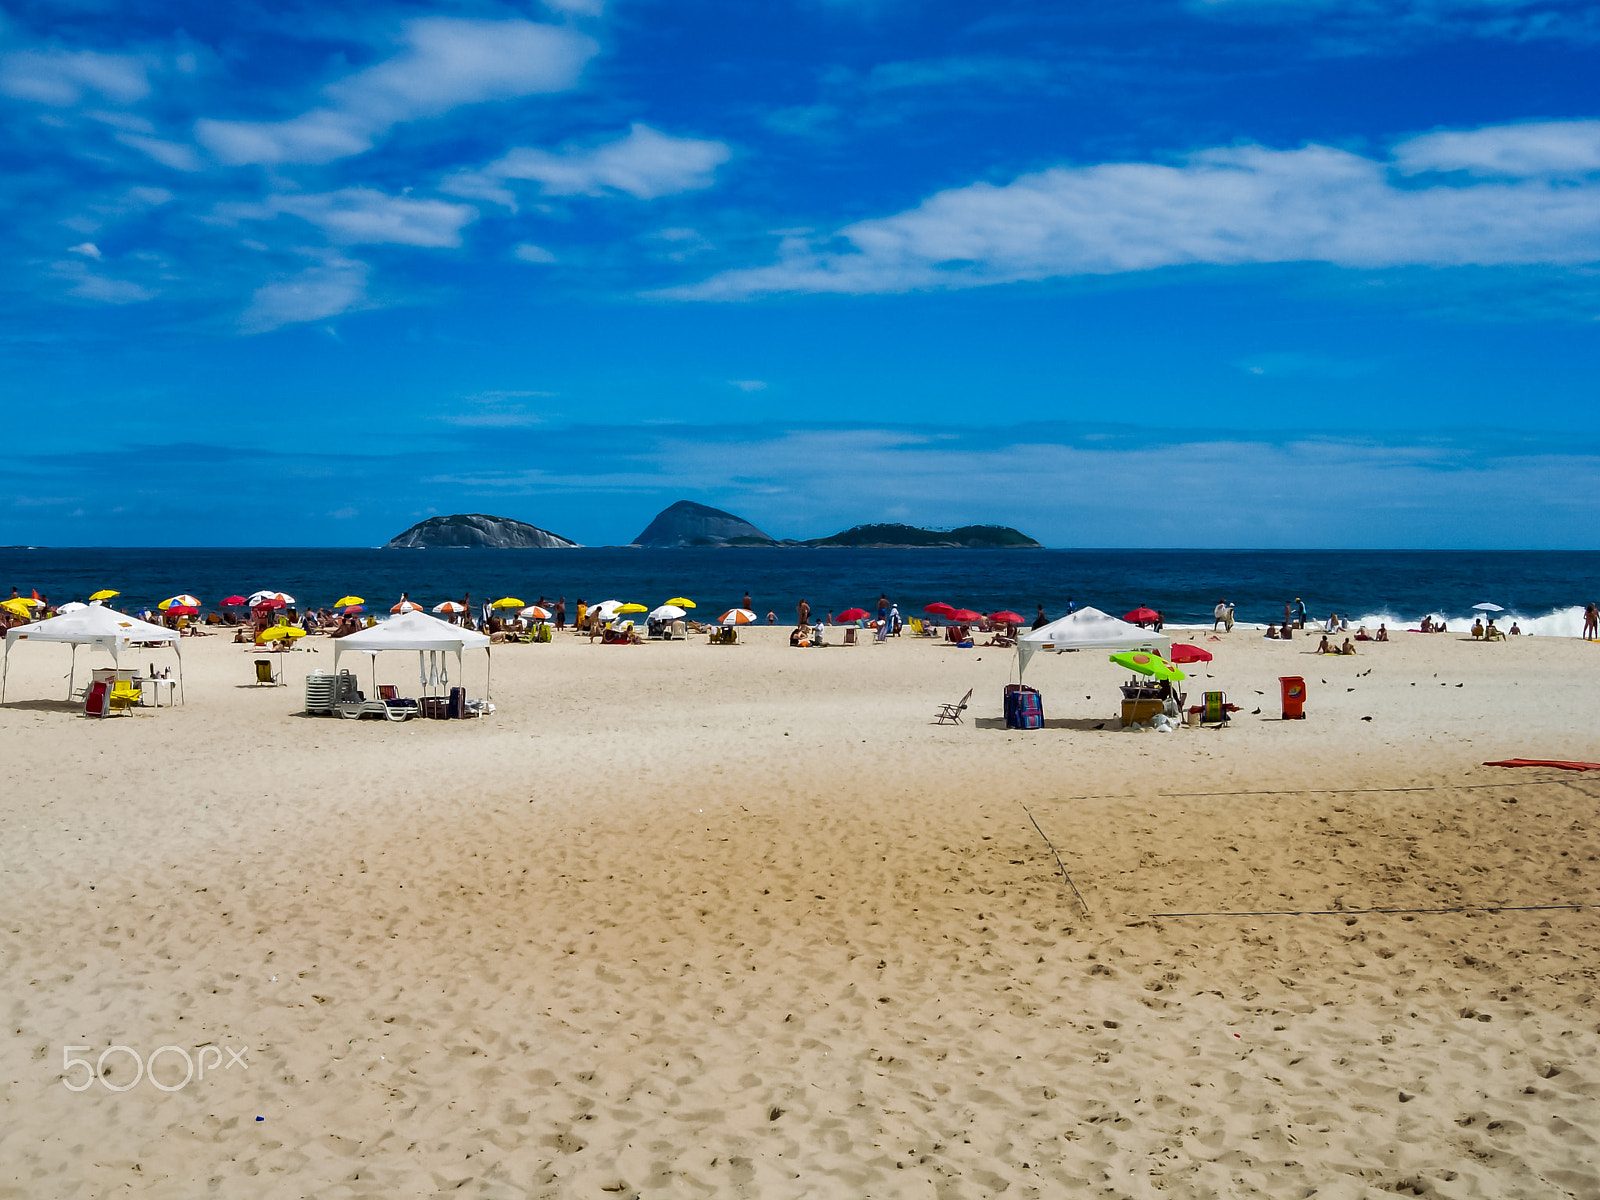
{"x":1545,"y":762}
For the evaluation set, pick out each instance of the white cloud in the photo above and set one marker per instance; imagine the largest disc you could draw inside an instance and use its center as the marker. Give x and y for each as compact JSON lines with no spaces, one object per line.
{"x":169,"y":154}
{"x":450,"y":61}
{"x":1563,"y":148}
{"x":1231,"y":206}
{"x":87,"y":249}
{"x":86,"y":285}
{"x":325,"y":290}
{"x":643,"y":163}
{"x":356,"y":215}
{"x":61,"y":77}
{"x":529,"y":253}
{"x":582,"y":8}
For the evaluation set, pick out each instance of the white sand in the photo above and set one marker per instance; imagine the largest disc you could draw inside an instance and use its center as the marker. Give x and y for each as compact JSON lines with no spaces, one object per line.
{"x":691,"y":921}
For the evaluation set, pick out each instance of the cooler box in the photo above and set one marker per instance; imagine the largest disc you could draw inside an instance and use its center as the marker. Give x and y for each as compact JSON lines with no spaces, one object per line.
{"x":1294,"y":697}
{"x":1024,"y":707}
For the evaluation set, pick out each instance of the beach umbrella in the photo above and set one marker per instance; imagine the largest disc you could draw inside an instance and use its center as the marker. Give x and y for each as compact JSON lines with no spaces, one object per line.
{"x":507,"y":602}
{"x":71,"y":606}
{"x":183,"y":610}
{"x":681,"y":602}
{"x":534,"y":613}
{"x":964,"y":616}
{"x":1152,"y":665}
{"x":852,"y":614}
{"x":1006,"y":617}
{"x":104,"y":594}
{"x":182,"y":600}
{"x":17,"y":608}
{"x":347,"y":601}
{"x":354,"y":608}
{"x":606,"y":609}
{"x":737,"y":616}
{"x":31,"y":601}
{"x":444,"y":606}
{"x":940,"y":609}
{"x":279,"y":632}
{"x":1183,"y":652}
{"x":1487,"y":608}
{"x":230,"y":602}
{"x":667,"y":612}
{"x":406,"y":606}
{"x":632,"y":608}
{"x":1142,"y":616}
{"x":270,"y":600}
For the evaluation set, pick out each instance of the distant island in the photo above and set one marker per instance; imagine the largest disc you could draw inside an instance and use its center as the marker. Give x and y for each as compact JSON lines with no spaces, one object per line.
{"x":909,"y":537}
{"x":464,"y":530}
{"x":689,"y":524}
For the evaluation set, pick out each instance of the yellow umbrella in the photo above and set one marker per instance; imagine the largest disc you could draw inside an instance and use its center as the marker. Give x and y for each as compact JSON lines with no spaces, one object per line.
{"x":681,"y":602}
{"x":104,"y":595}
{"x":632,"y":608}
{"x":508,"y":602}
{"x":348,"y":600}
{"x":278,"y":632}
{"x":17,"y":608}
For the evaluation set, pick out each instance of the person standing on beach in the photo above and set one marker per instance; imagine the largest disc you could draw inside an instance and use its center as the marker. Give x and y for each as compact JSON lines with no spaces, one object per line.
{"x":1300,"y":613}
{"x":1041,"y":620}
{"x":561,"y":613}
{"x":1219,"y":614}
{"x":747,"y":605}
{"x":1591,"y":621}
{"x":583,"y":611}
{"x":803,"y":614}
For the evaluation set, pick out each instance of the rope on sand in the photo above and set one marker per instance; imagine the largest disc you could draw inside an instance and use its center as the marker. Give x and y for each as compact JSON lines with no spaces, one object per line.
{"x":1345,"y":912}
{"x":1057,"y":854}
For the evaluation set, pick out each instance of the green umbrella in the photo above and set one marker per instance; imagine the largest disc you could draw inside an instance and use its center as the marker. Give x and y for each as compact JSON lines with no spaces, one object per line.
{"x":1148,"y":664}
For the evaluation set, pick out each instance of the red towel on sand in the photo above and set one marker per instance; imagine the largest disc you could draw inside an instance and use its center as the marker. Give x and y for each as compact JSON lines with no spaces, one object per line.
{"x":1544,"y":762}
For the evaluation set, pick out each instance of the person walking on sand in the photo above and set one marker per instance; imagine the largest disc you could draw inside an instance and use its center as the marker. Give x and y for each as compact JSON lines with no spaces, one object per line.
{"x":1591,"y":621}
{"x":1219,"y":614}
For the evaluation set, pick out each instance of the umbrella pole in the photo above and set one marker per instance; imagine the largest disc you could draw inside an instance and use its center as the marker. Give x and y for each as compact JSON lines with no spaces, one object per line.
{"x":72,"y":666}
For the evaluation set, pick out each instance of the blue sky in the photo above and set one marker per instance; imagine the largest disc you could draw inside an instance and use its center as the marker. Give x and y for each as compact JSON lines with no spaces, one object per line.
{"x":1208,"y":273}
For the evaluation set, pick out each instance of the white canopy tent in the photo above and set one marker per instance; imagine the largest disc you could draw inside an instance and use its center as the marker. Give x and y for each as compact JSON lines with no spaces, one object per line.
{"x":1089,"y":629}
{"x":111,"y":631}
{"x":415,"y":631}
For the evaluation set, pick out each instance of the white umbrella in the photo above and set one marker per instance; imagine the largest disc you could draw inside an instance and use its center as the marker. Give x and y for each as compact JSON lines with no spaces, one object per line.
{"x":450,"y":606}
{"x":737,"y":616}
{"x":267,"y":597}
{"x":71,"y":606}
{"x":667,"y":612}
{"x":1488,"y":608}
{"x":607,"y":609}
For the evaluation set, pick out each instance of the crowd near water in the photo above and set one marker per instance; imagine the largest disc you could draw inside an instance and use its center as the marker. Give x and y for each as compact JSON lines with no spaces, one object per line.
{"x":1544,"y":592}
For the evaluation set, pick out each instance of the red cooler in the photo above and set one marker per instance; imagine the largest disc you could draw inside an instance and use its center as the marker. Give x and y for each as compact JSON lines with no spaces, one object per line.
{"x":1294,"y":697}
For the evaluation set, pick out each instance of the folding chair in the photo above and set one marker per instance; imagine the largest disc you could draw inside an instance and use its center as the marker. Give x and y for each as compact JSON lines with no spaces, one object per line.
{"x":950,"y":714}
{"x":1216,"y":708}
{"x":264,"y":672}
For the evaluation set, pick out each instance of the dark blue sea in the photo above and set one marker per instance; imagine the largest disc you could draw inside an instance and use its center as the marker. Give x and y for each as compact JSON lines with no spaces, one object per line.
{"x":1543,"y":589}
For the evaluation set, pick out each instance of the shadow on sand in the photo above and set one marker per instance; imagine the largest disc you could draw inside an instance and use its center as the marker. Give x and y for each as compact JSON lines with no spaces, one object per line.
{"x":58,"y":706}
{"x":1087,"y":725}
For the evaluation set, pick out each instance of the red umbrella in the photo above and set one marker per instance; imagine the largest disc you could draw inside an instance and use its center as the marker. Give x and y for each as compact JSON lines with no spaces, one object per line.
{"x":183,"y":610}
{"x":852,"y":614}
{"x":1183,"y":652}
{"x":1006,"y":617}
{"x":1145,"y":615}
{"x":940,"y":608}
{"x":231,"y":601}
{"x":965,"y":616}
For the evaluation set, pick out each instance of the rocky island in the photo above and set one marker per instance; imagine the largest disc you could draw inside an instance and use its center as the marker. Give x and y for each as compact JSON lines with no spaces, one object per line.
{"x":689,"y":524}
{"x":909,"y":537}
{"x":463,"y":530}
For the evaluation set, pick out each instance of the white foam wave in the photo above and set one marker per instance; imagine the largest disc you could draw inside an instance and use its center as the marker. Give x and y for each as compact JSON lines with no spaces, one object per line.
{"x":1562,"y":622}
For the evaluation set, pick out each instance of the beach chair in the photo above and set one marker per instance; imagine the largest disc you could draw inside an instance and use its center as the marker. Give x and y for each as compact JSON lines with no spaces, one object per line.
{"x":679,"y":630}
{"x":124,"y":694}
{"x":264,"y":672}
{"x":882,"y":635}
{"x":396,"y":703}
{"x":95,"y":701}
{"x":950,"y":714}
{"x":1214,"y":708}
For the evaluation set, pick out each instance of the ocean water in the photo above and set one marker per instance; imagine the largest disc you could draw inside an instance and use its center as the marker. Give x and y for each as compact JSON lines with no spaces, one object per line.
{"x":1544,"y":591}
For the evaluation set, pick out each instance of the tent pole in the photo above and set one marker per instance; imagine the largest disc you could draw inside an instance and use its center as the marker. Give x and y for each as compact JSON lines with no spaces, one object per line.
{"x":182,"y":699}
{"x":72,"y":666}
{"x":6,"y":671}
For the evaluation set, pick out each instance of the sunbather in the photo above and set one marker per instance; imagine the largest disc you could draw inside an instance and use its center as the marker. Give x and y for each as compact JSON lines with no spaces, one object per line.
{"x":1272,"y":632}
{"x":1347,"y":648}
{"x":1323,"y":647}
{"x":1382,"y":635}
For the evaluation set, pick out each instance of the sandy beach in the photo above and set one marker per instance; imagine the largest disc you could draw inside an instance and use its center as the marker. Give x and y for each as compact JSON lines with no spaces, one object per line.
{"x":682,"y":920}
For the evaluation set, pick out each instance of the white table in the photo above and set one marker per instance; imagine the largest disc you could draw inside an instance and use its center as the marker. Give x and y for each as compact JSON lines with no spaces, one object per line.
{"x":150,"y":691}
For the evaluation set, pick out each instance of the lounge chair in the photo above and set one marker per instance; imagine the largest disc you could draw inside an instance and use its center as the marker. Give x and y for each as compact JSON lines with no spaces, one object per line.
{"x":264,"y":672}
{"x":882,"y":635}
{"x":393,"y":701}
{"x":124,"y":694}
{"x":950,"y":714}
